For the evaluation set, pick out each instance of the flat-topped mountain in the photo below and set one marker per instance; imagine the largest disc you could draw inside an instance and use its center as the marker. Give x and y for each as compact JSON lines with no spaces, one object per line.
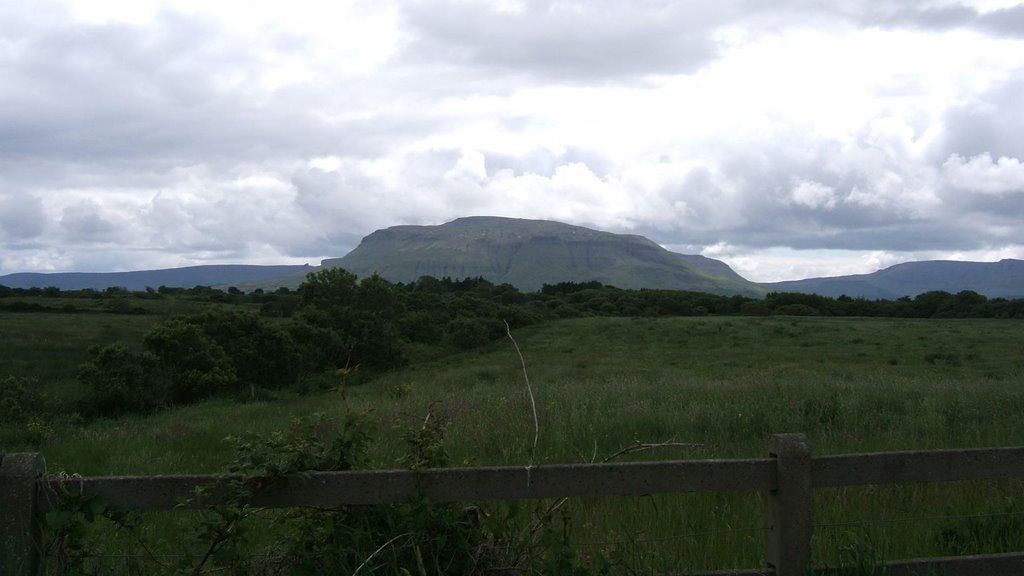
{"x":530,"y":253}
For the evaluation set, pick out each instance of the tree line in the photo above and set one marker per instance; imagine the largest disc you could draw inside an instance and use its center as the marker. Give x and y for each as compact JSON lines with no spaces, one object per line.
{"x":336,"y":327}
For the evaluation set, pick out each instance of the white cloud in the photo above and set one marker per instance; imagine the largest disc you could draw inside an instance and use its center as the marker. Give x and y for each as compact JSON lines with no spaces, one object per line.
{"x":471,"y":166}
{"x":814,"y":195}
{"x":194,"y":131}
{"x":983,"y":174}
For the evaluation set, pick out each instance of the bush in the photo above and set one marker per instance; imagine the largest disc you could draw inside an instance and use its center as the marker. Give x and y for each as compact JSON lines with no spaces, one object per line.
{"x":796,"y":310}
{"x":193,"y":364}
{"x":19,"y":399}
{"x":262,"y":355}
{"x":416,"y":537}
{"x":468,"y":333}
{"x":319,"y":348}
{"x":120,"y":381}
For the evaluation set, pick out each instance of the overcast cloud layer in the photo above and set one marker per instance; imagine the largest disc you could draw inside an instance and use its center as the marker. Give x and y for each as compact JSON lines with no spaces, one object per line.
{"x":789,"y":138}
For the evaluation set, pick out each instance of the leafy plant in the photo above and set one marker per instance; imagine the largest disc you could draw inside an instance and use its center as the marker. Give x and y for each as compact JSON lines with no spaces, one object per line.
{"x":66,"y":529}
{"x":415,"y":537}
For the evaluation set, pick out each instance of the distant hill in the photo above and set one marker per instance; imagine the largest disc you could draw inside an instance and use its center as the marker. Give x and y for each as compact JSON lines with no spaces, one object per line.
{"x":218,"y":275}
{"x":530,"y":253}
{"x":1003,"y":279}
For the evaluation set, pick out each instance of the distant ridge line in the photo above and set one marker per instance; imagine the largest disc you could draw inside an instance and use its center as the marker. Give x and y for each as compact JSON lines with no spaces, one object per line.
{"x":185,"y":277}
{"x":529,"y":253}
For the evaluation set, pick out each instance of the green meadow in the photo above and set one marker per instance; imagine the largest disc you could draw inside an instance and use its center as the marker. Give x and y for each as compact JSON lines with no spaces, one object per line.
{"x":707,"y":387}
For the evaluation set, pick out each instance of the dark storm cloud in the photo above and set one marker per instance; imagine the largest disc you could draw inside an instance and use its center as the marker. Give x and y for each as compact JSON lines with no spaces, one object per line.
{"x":572,"y":41}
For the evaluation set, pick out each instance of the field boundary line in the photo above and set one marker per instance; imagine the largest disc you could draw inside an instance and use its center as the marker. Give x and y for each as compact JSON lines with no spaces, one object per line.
{"x":787,"y":478}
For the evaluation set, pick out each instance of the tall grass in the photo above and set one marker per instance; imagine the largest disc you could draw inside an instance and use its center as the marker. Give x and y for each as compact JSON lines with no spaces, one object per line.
{"x":852,"y":385}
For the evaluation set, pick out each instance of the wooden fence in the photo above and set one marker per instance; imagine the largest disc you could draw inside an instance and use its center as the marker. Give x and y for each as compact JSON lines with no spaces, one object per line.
{"x":787,"y":477}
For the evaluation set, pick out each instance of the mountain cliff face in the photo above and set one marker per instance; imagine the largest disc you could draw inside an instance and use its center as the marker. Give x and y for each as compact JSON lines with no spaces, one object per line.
{"x":530,"y":253}
{"x":1003,"y":279}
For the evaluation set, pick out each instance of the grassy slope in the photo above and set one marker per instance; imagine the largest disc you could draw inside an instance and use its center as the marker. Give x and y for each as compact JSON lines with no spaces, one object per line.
{"x":850,"y":384}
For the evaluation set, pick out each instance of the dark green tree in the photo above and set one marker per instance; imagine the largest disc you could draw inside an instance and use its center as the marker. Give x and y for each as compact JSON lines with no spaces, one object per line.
{"x":192,"y":363}
{"x":262,"y":355}
{"x":120,"y":380}
{"x":329,"y":289}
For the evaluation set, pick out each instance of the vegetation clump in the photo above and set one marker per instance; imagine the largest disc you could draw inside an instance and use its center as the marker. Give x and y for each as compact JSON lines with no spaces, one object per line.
{"x":416,"y":537}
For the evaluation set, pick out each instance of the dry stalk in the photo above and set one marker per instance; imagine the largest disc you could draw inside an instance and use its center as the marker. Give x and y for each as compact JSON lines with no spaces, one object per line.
{"x":636,"y":446}
{"x":533,"y":404}
{"x":378,"y":551}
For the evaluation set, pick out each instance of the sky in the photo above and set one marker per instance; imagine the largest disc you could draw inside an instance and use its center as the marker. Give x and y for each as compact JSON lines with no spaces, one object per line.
{"x":788,"y":138}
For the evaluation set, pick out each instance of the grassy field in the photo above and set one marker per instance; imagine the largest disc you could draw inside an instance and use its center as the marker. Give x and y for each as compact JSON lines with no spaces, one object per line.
{"x":725,"y":383}
{"x":50,"y":346}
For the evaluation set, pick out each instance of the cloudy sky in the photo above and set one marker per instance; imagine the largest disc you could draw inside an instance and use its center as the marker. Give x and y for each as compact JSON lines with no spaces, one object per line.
{"x":789,"y":138}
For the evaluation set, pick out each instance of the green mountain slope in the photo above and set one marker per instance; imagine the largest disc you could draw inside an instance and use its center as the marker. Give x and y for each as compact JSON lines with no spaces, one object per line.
{"x":530,"y":253}
{"x":1003,"y":279}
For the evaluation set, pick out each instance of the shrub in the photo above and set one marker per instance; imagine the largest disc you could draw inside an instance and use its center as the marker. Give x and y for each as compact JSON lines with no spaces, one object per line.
{"x":192,"y":363}
{"x":796,"y":310}
{"x":19,"y":399}
{"x":418,"y":536}
{"x":262,"y":355}
{"x":467,"y":333}
{"x":120,"y":381}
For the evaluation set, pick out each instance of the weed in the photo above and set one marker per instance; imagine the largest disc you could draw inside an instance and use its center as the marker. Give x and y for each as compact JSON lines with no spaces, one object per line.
{"x":400,"y":390}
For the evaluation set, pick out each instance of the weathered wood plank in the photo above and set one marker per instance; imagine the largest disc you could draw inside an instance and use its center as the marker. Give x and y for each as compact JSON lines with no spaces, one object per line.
{"x":20,"y":532}
{"x":922,"y":466}
{"x":1011,"y":564}
{"x":787,"y":521}
{"x":509,"y":483}
{"x":449,"y":484}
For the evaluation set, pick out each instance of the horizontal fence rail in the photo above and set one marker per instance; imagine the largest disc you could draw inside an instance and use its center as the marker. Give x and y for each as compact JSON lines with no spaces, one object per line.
{"x":787,"y":478}
{"x":442,"y":485}
{"x":923,"y":466}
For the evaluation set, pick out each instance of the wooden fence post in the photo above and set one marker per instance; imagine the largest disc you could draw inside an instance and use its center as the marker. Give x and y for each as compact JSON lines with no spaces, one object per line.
{"x":20,"y":531}
{"x":787,"y":519}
